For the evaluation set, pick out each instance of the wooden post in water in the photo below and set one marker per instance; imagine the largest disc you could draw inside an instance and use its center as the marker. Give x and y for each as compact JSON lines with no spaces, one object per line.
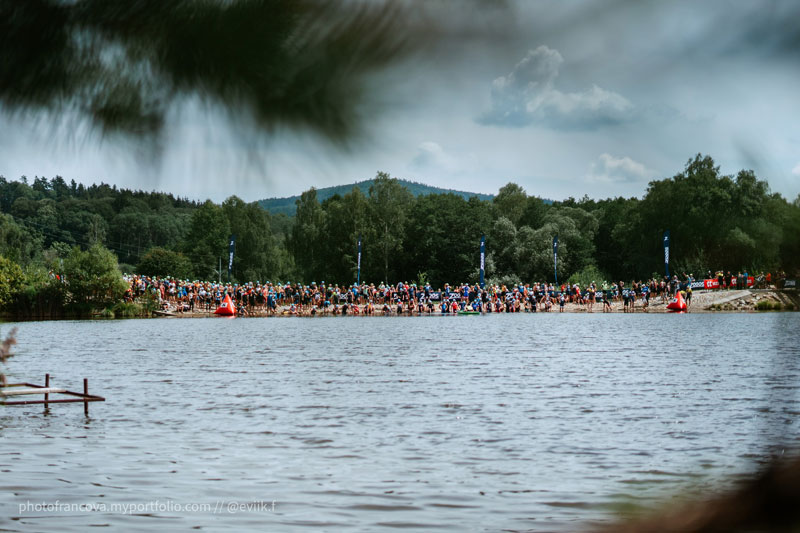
{"x":47,"y":386}
{"x":85,"y":396}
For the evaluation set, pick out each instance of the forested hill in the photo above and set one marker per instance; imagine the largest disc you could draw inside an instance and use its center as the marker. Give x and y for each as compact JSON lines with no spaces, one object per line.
{"x":288,"y":205}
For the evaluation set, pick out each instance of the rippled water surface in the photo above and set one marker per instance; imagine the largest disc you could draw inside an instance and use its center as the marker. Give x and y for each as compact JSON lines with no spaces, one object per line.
{"x":503,"y":422}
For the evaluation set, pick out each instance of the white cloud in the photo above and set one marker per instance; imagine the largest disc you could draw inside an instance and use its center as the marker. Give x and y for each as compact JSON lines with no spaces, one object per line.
{"x":528,"y":95}
{"x":796,"y":170}
{"x":610,"y":169}
{"x":432,"y":157}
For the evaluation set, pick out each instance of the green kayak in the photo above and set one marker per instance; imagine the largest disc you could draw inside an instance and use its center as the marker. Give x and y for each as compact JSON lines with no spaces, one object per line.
{"x":469,"y":312}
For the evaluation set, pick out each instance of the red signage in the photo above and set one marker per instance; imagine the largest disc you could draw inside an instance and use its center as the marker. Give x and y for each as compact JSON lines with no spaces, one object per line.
{"x":714,"y":283}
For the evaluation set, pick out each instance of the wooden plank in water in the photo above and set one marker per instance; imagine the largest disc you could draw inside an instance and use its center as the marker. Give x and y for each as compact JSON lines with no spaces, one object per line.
{"x":38,"y":390}
{"x":61,"y":400}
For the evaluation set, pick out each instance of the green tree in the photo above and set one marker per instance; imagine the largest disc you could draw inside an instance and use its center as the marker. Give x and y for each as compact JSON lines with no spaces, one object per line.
{"x":11,"y":281}
{"x":356,"y":217}
{"x":389,"y":203}
{"x":168,"y":228}
{"x":511,"y":202}
{"x":503,"y":246}
{"x":96,"y":229}
{"x":207,"y":239}
{"x":578,"y":236}
{"x":92,"y":278}
{"x":165,"y":263}
{"x":130,"y":230}
{"x":255,"y":257}
{"x":11,"y":191}
{"x":438,"y":241}
{"x":306,"y":234}
{"x":788,"y":215}
{"x":18,"y":243}
{"x":714,"y":220}
{"x":534,"y":212}
{"x":533,"y":251}
{"x":346,"y":218}
{"x":617,"y":247}
{"x":42,"y":295}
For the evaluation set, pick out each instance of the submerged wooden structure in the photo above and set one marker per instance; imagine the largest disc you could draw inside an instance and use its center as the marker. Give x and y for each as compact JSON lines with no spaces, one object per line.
{"x":13,"y":390}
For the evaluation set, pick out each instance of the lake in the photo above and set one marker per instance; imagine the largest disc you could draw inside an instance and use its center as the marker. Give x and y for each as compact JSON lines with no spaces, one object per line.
{"x":463,"y":423}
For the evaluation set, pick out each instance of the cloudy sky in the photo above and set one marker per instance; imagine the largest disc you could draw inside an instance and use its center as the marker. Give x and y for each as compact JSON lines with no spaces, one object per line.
{"x":564,"y":98}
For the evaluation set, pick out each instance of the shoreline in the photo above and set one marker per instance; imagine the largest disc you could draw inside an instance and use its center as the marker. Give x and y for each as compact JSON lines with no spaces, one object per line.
{"x":713,"y":301}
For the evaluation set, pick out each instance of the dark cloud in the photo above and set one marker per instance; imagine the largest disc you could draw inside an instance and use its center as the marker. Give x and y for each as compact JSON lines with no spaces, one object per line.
{"x":399,"y":88}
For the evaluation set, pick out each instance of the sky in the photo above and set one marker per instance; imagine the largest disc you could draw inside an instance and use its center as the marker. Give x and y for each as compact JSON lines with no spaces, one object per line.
{"x":563,"y":98}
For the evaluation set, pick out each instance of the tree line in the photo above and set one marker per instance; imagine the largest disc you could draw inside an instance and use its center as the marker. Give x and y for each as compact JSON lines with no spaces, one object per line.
{"x":717,"y":221}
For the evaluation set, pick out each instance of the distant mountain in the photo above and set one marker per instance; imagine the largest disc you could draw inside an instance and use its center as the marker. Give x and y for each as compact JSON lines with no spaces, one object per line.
{"x":287,"y":205}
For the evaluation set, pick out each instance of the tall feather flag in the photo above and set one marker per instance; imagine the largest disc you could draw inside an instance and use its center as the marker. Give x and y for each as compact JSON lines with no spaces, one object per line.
{"x":555,"y":257}
{"x":231,"y":248}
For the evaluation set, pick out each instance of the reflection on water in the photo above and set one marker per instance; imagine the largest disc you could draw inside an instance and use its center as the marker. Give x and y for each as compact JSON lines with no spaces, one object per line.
{"x":505,"y":422}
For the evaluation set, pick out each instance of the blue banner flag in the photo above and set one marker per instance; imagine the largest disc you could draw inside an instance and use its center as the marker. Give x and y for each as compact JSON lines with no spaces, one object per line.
{"x":555,"y":257}
{"x":483,"y":259}
{"x":666,"y":252}
{"x":231,"y":248}
{"x":358,"y":275}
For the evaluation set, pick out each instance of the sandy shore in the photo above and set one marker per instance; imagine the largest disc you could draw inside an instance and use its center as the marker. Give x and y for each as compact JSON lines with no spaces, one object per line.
{"x":702,"y":302}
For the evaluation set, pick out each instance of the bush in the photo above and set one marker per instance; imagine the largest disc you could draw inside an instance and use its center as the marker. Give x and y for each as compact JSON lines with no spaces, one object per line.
{"x":768,"y":305}
{"x":148,"y":303}
{"x":508,"y":280}
{"x":42,"y":295}
{"x":93,"y":279}
{"x":127,"y":268}
{"x":589,"y":274}
{"x":11,"y":280}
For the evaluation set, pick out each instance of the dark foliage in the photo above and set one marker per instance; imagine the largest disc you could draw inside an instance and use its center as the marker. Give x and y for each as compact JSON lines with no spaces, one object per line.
{"x":716,"y":222}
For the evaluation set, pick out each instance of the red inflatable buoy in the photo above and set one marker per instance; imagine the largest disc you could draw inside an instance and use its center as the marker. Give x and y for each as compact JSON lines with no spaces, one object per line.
{"x":227,"y":308}
{"x":677,"y":303}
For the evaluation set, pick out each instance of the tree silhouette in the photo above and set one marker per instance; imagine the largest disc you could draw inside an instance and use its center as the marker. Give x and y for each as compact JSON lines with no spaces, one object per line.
{"x":123,"y":64}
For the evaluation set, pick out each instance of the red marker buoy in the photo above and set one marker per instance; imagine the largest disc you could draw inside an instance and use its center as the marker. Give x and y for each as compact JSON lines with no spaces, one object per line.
{"x":677,"y":303}
{"x":227,"y":308}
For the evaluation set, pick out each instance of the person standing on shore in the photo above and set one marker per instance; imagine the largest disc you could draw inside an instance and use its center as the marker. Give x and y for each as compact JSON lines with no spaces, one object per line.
{"x":606,"y":303}
{"x":645,"y":297}
{"x":689,"y":293}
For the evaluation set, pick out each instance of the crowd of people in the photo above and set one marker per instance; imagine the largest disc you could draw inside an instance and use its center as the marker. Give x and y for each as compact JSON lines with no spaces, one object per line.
{"x":265,"y":299}
{"x":726,"y":280}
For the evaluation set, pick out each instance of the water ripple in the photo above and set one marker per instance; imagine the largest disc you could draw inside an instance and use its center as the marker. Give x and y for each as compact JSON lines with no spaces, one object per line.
{"x":518,"y":422}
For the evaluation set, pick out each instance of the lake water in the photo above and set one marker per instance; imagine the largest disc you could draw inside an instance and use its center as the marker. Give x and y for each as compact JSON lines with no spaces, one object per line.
{"x":501,"y":422}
